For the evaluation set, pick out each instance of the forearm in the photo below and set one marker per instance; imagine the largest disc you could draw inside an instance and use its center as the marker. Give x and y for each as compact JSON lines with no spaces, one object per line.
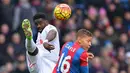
{"x":50,"y":36}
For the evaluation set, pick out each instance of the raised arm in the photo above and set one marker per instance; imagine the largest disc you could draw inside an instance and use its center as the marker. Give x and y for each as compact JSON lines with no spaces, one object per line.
{"x":50,"y":36}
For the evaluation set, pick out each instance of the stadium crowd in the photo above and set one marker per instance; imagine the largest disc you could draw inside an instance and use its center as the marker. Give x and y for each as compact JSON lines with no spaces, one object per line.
{"x":108,"y":20}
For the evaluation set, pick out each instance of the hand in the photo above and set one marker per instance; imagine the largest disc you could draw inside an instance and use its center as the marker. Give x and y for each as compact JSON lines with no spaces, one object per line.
{"x":90,"y":55}
{"x":48,"y":46}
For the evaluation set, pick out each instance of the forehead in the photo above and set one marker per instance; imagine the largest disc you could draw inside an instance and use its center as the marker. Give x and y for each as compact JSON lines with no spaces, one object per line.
{"x":39,"y":20}
{"x":87,"y":37}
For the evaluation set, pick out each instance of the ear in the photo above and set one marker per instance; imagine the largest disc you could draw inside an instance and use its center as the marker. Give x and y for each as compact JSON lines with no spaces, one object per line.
{"x":79,"y":40}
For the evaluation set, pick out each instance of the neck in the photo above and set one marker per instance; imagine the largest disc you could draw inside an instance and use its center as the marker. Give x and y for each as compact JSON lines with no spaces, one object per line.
{"x":77,"y":41}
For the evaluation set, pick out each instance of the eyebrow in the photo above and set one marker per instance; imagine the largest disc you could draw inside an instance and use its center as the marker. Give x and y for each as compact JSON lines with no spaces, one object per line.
{"x":37,"y":20}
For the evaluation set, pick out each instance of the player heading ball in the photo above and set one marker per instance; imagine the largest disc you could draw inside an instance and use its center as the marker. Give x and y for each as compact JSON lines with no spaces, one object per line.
{"x":74,"y":56}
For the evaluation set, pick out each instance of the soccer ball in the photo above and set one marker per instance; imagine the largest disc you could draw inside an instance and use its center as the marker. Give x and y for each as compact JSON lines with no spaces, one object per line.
{"x":62,"y":12}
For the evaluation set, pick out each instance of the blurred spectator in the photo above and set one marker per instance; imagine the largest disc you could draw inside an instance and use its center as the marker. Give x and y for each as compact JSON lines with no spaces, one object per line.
{"x":128,"y":69}
{"x":123,"y":41}
{"x":21,"y":68}
{"x":71,"y":36}
{"x":121,"y":59}
{"x":108,"y":2}
{"x":79,"y":17}
{"x":105,"y":57}
{"x":103,"y":20}
{"x":10,"y":56}
{"x":71,"y":3}
{"x":58,"y":24}
{"x":88,"y":25}
{"x":111,"y":8}
{"x":128,"y":58}
{"x":125,"y":4}
{"x":118,"y":25}
{"x":5,"y":29}
{"x":49,"y":5}
{"x":97,"y":41}
{"x":2,"y":49}
{"x":6,"y":12}
{"x":22,"y":11}
{"x":97,"y":3}
{"x":123,"y":71}
{"x":20,"y":57}
{"x":9,"y":67}
{"x":114,"y":10}
{"x":96,"y":66}
{"x":71,"y":24}
{"x":37,"y":4}
{"x":126,"y":21}
{"x":119,"y":10}
{"x":16,"y":42}
{"x":115,"y":64}
{"x":111,"y":35}
{"x":92,"y":14}
{"x":2,"y":44}
{"x":113,"y":70}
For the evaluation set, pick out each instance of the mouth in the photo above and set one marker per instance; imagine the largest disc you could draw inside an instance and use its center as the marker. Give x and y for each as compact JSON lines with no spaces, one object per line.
{"x":39,"y":30}
{"x":88,"y":46}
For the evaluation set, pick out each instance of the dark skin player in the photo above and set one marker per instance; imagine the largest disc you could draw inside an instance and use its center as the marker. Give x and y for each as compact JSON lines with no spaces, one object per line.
{"x":41,"y":22}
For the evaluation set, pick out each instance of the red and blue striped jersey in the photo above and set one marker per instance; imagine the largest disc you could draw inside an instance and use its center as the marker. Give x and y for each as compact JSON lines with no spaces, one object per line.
{"x":73,"y":59}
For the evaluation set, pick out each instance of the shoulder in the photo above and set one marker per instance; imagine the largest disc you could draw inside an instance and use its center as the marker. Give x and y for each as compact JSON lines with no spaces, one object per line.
{"x":84,"y":55}
{"x":50,"y":27}
{"x":84,"y":58}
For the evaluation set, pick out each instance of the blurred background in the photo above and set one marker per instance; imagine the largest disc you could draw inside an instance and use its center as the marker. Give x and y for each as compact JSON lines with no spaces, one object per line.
{"x":108,"y":20}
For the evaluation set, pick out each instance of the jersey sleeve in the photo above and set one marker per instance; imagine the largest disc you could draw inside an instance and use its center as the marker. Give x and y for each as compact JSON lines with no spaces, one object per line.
{"x":84,"y":62}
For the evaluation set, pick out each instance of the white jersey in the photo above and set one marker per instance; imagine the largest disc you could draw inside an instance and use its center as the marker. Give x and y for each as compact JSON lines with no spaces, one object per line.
{"x":44,"y":61}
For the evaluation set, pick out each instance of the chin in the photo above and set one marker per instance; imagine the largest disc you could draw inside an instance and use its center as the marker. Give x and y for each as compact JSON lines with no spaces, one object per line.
{"x":39,"y":30}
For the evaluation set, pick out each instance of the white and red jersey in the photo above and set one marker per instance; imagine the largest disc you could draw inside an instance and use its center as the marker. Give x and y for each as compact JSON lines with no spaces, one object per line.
{"x":44,"y":61}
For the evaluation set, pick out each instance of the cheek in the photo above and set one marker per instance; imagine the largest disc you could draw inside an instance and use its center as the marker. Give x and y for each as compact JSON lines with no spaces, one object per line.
{"x":85,"y":43}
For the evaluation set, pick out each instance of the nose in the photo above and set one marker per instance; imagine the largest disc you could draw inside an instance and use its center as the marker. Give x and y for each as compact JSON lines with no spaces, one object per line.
{"x":90,"y":43}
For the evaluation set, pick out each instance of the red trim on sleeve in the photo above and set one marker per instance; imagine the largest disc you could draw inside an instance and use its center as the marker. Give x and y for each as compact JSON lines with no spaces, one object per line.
{"x":84,"y":59}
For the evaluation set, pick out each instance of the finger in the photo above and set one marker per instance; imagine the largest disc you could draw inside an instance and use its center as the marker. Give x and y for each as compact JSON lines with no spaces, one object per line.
{"x":91,"y":55}
{"x":52,"y":47}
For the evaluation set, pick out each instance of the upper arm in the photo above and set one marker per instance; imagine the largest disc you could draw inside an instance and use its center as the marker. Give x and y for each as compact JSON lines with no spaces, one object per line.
{"x":51,"y":33}
{"x":84,"y":62}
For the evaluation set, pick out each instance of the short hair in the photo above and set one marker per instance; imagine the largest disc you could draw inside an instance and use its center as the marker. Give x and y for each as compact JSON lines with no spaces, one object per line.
{"x":39,"y":15}
{"x":83,"y":32}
